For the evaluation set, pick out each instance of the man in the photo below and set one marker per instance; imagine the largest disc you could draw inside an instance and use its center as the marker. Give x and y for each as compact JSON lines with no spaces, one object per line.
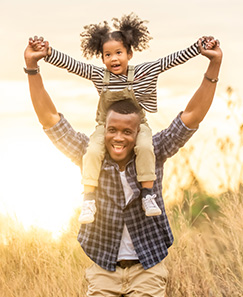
{"x":127,"y":247}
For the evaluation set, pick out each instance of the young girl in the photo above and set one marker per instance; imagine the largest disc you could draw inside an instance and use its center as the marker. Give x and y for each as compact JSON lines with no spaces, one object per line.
{"x":120,"y":81}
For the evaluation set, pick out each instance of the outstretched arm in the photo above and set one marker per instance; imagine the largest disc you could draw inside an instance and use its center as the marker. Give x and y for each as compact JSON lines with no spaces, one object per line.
{"x":201,"y":101}
{"x":43,"y":105}
{"x":185,"y":55}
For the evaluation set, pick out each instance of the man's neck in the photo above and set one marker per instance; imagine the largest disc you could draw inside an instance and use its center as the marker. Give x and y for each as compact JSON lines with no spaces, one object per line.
{"x":122,"y":167}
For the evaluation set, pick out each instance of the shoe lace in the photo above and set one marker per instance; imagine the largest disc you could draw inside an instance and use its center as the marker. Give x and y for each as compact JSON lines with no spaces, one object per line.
{"x":88,"y":208}
{"x":149,"y":201}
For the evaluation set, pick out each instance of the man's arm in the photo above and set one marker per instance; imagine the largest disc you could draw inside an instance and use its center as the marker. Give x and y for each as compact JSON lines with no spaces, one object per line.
{"x":201,"y":101}
{"x":43,"y":105}
{"x":73,"y":144}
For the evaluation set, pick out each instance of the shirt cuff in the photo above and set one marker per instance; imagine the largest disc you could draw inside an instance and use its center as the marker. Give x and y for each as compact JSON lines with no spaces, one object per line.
{"x":58,"y":130}
{"x":49,"y":58}
{"x":187,"y":128}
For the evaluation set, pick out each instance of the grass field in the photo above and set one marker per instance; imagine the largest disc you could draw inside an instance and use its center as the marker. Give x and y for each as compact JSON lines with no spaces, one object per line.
{"x":205,"y":260}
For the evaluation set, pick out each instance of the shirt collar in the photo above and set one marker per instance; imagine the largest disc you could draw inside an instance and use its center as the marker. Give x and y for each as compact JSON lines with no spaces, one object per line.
{"x":108,"y":161}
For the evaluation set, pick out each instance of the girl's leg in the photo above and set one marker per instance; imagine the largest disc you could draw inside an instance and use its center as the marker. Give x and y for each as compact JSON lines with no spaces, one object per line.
{"x":93,"y":158}
{"x":145,"y":165}
{"x":145,"y":159}
{"x":91,"y":170}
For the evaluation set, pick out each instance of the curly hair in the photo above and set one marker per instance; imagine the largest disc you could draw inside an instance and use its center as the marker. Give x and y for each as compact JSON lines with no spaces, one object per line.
{"x":131,"y":31}
{"x":91,"y":39}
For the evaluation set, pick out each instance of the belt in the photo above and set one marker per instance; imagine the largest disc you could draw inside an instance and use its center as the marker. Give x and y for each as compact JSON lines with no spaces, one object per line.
{"x":127,"y":263}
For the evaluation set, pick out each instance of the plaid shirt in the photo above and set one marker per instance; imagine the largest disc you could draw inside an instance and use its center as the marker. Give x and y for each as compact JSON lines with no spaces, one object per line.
{"x":151,"y":236}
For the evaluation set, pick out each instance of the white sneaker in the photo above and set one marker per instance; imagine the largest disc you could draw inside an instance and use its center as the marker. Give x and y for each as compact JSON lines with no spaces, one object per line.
{"x":150,"y":206}
{"x":87,"y":212}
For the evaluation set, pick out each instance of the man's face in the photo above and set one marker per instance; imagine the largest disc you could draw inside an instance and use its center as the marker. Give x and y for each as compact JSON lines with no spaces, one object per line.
{"x":120,"y":136}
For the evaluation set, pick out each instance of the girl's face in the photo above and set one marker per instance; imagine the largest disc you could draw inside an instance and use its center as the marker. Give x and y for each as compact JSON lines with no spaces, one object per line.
{"x":115,"y":57}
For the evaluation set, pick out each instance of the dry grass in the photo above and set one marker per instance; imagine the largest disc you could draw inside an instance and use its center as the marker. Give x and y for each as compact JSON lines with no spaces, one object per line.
{"x":207,"y":256}
{"x":205,"y":260}
{"x":33,"y":264}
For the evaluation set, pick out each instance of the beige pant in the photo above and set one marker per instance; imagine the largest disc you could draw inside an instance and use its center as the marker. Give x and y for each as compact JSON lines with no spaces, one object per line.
{"x":132,"y":282}
{"x":145,"y":159}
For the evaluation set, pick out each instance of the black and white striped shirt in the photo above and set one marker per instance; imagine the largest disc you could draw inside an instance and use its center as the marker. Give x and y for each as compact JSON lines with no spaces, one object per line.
{"x":145,"y":74}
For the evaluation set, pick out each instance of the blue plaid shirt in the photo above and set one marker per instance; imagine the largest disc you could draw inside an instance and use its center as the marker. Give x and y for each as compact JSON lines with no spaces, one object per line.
{"x":151,"y":236}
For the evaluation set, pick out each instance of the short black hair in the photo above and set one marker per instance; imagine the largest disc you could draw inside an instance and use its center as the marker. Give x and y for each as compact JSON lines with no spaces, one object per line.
{"x":125,"y":106}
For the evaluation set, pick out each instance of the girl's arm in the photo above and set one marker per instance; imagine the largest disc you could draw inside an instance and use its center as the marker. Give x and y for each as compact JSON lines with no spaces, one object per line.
{"x":59,"y":59}
{"x":64,"y":61}
{"x":179,"y":57}
{"x":183,"y":56}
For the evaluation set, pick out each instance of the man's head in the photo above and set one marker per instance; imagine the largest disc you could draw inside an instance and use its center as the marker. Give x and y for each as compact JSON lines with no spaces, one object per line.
{"x":122,"y":126}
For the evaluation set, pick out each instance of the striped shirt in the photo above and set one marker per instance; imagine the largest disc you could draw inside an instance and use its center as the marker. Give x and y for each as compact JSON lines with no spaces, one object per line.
{"x":151,"y":236}
{"x":145,"y":74}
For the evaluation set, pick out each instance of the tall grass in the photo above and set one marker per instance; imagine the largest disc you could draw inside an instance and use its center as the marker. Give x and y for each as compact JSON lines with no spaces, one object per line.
{"x":33,"y":264}
{"x":206,"y":258}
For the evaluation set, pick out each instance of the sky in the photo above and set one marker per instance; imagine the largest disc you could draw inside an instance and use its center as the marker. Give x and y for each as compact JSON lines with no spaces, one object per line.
{"x":38,"y":184}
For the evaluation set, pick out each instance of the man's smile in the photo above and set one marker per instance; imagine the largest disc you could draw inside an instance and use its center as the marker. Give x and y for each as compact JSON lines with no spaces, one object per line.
{"x":120,"y":136}
{"x":118,"y":148}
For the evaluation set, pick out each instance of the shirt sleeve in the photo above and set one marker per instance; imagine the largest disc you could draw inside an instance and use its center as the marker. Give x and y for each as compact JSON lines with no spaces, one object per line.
{"x":73,"y":144}
{"x":169,"y":141}
{"x":70,"y":64}
{"x":179,"y":57}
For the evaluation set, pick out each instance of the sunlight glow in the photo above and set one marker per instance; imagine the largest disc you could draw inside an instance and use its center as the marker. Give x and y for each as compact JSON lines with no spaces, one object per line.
{"x":40,"y":186}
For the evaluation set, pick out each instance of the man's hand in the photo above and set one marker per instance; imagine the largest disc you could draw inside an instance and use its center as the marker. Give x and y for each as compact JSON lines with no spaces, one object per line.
{"x":211,"y":50}
{"x":37,"y":49}
{"x":208,"y":42}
